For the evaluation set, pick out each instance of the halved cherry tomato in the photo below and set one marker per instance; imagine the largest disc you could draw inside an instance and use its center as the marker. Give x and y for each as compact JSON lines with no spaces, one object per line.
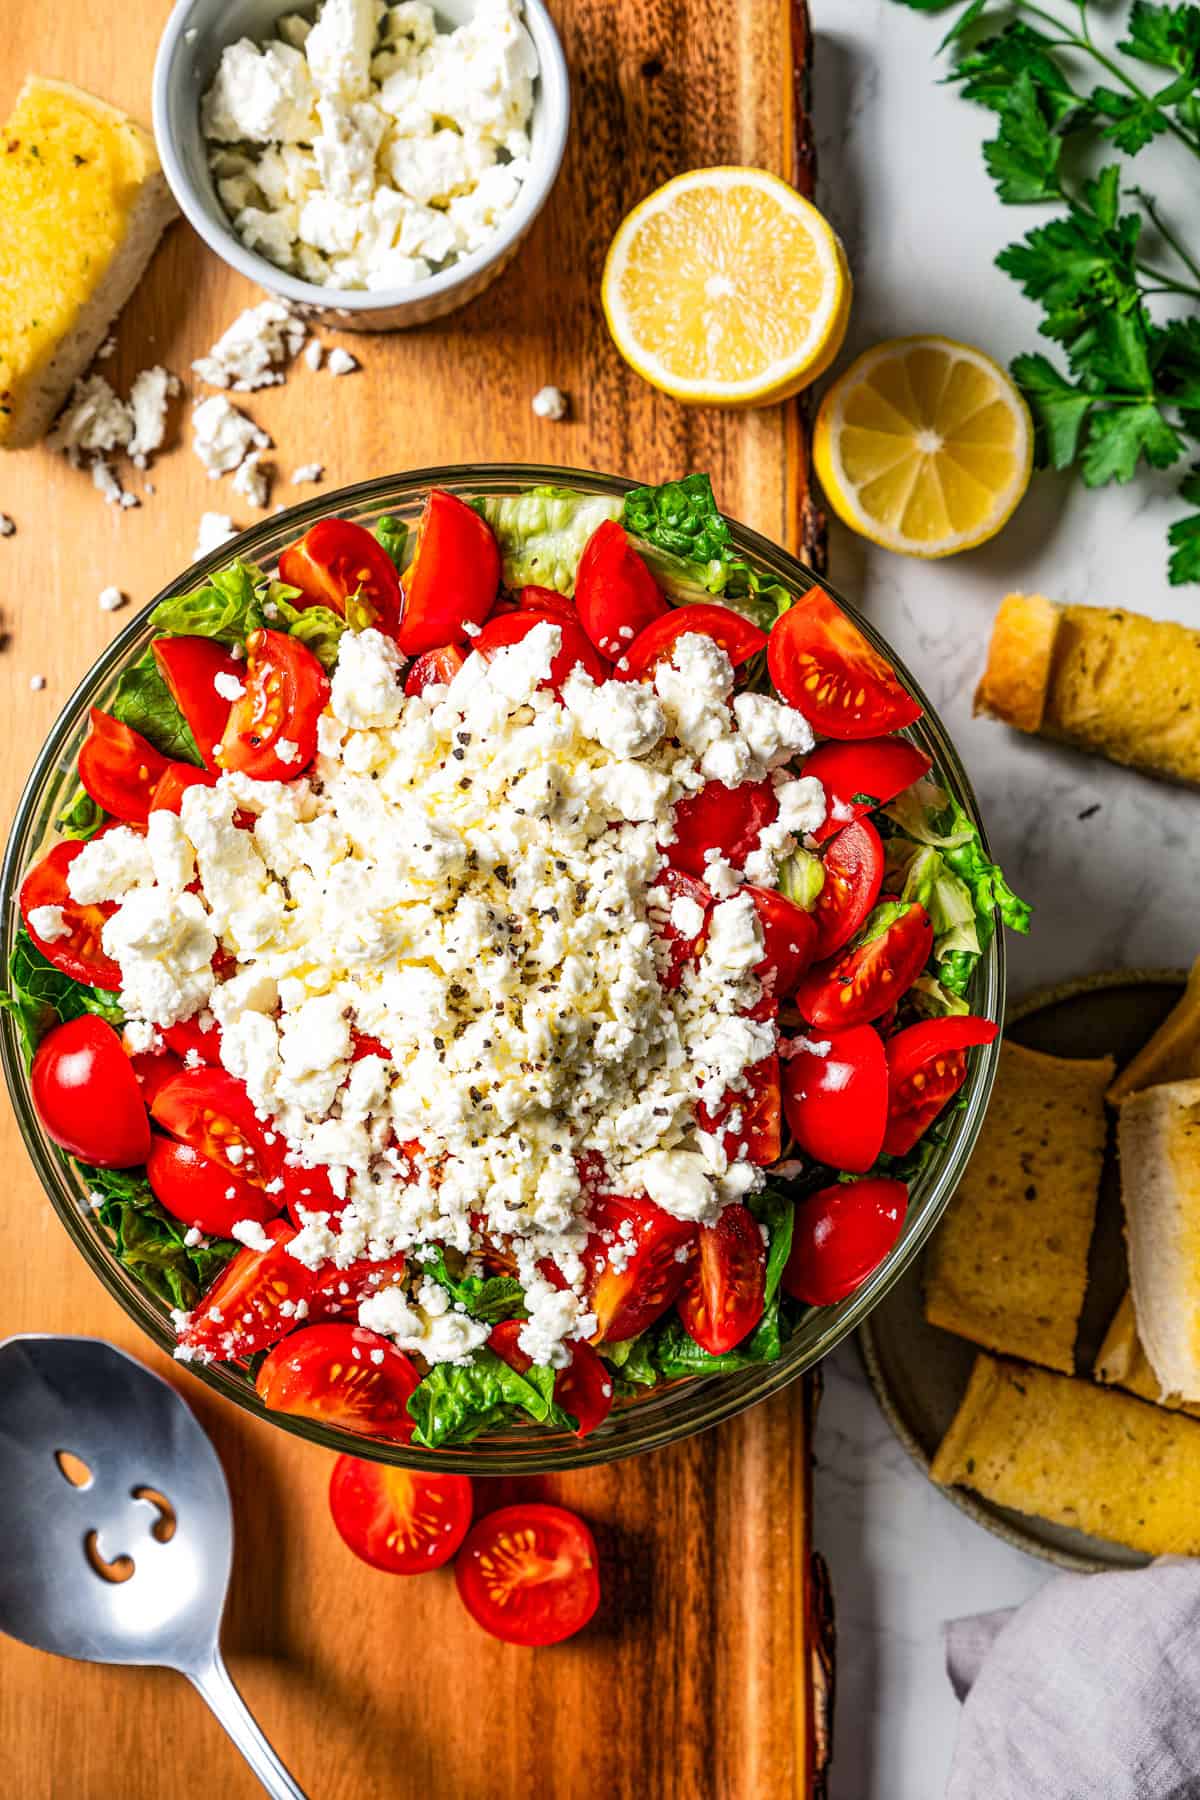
{"x":927,"y":1064}
{"x":87,"y":1096}
{"x":79,"y":954}
{"x":835,"y":1097}
{"x":119,"y":769}
{"x":243,"y":1309}
{"x":738,"y":637}
{"x":286,"y":693}
{"x":436,"y":668}
{"x":652,"y":1253}
{"x":575,"y":651}
{"x":584,"y":1388}
{"x":549,"y":602}
{"x":453,"y":578}
{"x":336,"y":561}
{"x":616,"y":596}
{"x":200,"y":1192}
{"x":212,"y":1111}
{"x":190,"y":667}
{"x":789,"y":940}
{"x":190,"y":1037}
{"x":840,"y":1236}
{"x":529,"y":1574}
{"x":752,"y":1116}
{"x":853,"y":866}
{"x":309,"y":1191}
{"x":858,"y":777}
{"x":342,"y":1376}
{"x":153,"y":1069}
{"x":175,"y":781}
{"x":867,"y":978}
{"x":722,"y":1300}
{"x":683,"y":947}
{"x":823,"y":665}
{"x":729,"y":820}
{"x":336,"y":1293}
{"x":403,"y":1521}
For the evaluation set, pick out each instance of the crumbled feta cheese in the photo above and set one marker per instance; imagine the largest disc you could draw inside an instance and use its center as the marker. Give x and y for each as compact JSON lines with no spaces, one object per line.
{"x":111,"y":599}
{"x":340,"y":362}
{"x":37,"y":683}
{"x":306,"y":473}
{"x":250,"y":353}
{"x":250,"y":1232}
{"x":228,"y":686}
{"x":252,"y":480}
{"x":314,"y":353}
{"x":222,"y":436}
{"x":49,"y":923}
{"x":148,"y":411}
{"x":260,"y":96}
{"x":214,"y":530}
{"x":7,"y":525}
{"x":550,"y":403}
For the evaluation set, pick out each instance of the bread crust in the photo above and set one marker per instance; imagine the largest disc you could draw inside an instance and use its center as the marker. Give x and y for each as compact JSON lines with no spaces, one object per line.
{"x":1158,"y":1136}
{"x":1016,"y":682}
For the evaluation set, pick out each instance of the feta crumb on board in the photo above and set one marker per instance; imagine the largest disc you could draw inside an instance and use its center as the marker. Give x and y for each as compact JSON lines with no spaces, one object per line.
{"x":313,"y":354}
{"x":7,"y":525}
{"x":307,"y":474}
{"x":96,"y":424}
{"x":250,"y":354}
{"x":37,"y":683}
{"x":340,"y":362}
{"x":214,"y":530}
{"x":252,"y":479}
{"x":550,"y":403}
{"x":110,"y":599}
{"x":222,"y":436}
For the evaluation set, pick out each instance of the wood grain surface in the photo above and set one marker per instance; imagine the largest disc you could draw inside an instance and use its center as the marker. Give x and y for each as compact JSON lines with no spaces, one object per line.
{"x":694,"y":1680}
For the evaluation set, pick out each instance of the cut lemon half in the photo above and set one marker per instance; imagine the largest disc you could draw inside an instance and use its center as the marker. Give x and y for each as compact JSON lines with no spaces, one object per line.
{"x":924,"y":446}
{"x":727,"y":288}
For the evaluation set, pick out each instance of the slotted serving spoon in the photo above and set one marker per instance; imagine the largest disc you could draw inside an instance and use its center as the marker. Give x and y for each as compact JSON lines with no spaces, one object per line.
{"x":117,"y":1526}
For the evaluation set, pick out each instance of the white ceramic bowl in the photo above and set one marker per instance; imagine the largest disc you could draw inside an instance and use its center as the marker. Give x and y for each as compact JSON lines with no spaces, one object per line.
{"x":196,"y":34}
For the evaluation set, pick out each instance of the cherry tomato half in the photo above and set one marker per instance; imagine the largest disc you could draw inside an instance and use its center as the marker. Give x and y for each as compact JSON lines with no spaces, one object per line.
{"x":189,"y":1038}
{"x":174,"y":783}
{"x":79,"y":953}
{"x":309,"y":1191}
{"x":153,"y":1069}
{"x":343,"y":1376}
{"x":841,"y":1235}
{"x":400,"y":1520}
{"x":584,"y":1388}
{"x":729,"y":820}
{"x":190,"y":667}
{"x":789,"y":938}
{"x":823,"y":665}
{"x":751,"y":1115}
{"x":853,"y":865}
{"x":272,"y":730}
{"x":212,"y":1111}
{"x":683,"y":947}
{"x":867,"y":978}
{"x":336,"y":561}
{"x":616,"y":596}
{"x":198,"y":1191}
{"x":529,"y":1574}
{"x":435,"y":668}
{"x":549,"y":602}
{"x":738,"y":637}
{"x":927,"y":1064}
{"x":243,"y":1309}
{"x":858,"y":777}
{"x":119,"y":769}
{"x":653,"y":1251}
{"x":835,"y":1097}
{"x":575,"y":651}
{"x":453,"y":578}
{"x":722,"y":1300}
{"x":87,"y":1095}
{"x":337,"y":1293}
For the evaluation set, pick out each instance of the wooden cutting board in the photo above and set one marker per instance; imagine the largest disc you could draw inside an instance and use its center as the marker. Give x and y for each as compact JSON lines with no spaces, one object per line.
{"x":695,"y":1679}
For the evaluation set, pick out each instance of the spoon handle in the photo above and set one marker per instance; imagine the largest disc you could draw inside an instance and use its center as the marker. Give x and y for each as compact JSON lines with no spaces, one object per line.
{"x":216,"y":1686}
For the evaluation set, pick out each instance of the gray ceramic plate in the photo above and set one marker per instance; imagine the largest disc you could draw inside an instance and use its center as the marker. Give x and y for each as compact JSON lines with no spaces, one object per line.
{"x":920,"y":1373}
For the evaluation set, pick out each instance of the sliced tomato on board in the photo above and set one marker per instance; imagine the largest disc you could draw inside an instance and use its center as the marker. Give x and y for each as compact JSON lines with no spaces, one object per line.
{"x":529,"y":1574}
{"x":789,"y":940}
{"x":190,"y":667}
{"x":87,"y":1095}
{"x":870,"y":975}
{"x":835,"y":1097}
{"x":575,"y":651}
{"x":683,"y":946}
{"x":549,"y":602}
{"x":728,"y":820}
{"x":337,"y":1293}
{"x":840,"y":1236}
{"x":724,"y":1296}
{"x":854,"y":865}
{"x":242,"y":1311}
{"x":858,"y":777}
{"x":342,"y":1376}
{"x":174,"y":783}
{"x":337,"y":561}
{"x":652,"y":1253}
{"x":739,"y":637}
{"x":821,"y":663}
{"x":584,"y":1388}
{"x":79,"y":953}
{"x":403,"y":1521}
{"x":200,"y":1192}
{"x":271,"y":734}
{"x":927,"y":1064}
{"x":211,"y":1110}
{"x":435,"y":668}
{"x":616,"y":596}
{"x":750,"y":1116}
{"x":189,"y":1038}
{"x":119,"y":768}
{"x":453,"y":578}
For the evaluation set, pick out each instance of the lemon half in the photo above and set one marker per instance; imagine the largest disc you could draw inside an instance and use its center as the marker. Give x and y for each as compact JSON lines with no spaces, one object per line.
{"x":727,"y":288}
{"x":924,"y":446}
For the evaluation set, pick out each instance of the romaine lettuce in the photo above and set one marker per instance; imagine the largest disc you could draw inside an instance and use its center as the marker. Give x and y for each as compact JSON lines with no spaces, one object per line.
{"x":144,"y":702}
{"x":150,"y":1243}
{"x":457,"y":1401}
{"x":542,"y":532}
{"x":40,"y":996}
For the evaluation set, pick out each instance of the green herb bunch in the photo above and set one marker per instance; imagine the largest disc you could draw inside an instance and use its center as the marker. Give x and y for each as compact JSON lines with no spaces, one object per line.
{"x":1130,"y":393}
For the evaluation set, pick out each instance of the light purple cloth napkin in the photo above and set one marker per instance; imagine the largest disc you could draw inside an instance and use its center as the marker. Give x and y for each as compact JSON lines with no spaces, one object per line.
{"x":1090,"y":1691}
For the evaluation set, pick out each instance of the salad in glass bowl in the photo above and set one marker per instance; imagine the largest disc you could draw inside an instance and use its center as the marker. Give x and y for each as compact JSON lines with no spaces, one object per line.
{"x":490,"y":972}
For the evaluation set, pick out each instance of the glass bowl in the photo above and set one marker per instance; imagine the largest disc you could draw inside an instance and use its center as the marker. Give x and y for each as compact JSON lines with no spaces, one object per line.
{"x":662,"y":1415}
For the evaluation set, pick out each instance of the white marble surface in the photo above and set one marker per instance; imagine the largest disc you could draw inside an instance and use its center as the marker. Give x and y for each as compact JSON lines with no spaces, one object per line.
{"x":902,"y":178}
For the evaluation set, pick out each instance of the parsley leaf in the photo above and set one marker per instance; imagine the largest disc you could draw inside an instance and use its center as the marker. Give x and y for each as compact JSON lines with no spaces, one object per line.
{"x":1184,"y":535}
{"x":1167,"y":36}
{"x":1120,"y":436}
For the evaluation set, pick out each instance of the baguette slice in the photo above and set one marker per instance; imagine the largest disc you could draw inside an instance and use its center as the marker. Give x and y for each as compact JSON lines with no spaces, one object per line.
{"x":1172,"y":1054}
{"x":1123,"y":1363}
{"x":1078,"y":1454}
{"x":1158,"y":1135}
{"x":83,"y":202}
{"x":1016,"y":681}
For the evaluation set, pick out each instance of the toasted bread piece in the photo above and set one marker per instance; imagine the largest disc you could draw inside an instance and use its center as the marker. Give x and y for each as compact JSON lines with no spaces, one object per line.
{"x":1172,"y":1054}
{"x":1106,"y":680}
{"x":83,"y":202}
{"x":1007,"y":1267}
{"x":1123,"y":1363}
{"x":1158,"y":1136}
{"x":1077,"y":1454}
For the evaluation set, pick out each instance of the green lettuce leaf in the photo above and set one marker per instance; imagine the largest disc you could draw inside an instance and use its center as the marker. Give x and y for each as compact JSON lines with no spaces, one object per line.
{"x":144,"y":702}
{"x":542,"y":532}
{"x":935,"y":998}
{"x":320,"y":630}
{"x":487,"y":1297}
{"x":149,"y":1242}
{"x":929,"y":815}
{"x":946,"y":898}
{"x":39,"y":996}
{"x":801,"y":878}
{"x":393,"y":535}
{"x":457,"y":1401}
{"x":81,"y":817}
{"x":688,"y":546}
{"x":231,"y":604}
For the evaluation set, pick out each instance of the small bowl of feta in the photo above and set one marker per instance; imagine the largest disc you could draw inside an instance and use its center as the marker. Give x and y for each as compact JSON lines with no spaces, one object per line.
{"x":377,"y":163}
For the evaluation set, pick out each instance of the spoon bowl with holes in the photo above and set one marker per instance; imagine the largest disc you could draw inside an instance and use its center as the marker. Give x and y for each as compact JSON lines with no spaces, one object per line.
{"x":117,"y":1523}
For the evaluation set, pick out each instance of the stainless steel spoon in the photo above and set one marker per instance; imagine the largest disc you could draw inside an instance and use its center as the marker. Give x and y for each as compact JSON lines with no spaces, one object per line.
{"x":116,"y":1524}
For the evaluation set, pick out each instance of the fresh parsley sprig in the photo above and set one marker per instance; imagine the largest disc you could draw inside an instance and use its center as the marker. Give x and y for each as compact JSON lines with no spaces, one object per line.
{"x":1130,"y":394}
